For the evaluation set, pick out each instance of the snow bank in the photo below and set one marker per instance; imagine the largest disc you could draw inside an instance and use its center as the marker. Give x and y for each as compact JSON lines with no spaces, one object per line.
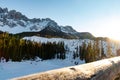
{"x":107,"y":69}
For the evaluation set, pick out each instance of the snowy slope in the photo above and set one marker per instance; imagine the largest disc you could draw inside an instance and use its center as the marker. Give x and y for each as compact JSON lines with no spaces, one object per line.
{"x":67,"y":29}
{"x":27,"y":26}
{"x":73,"y":43}
{"x":14,"y":69}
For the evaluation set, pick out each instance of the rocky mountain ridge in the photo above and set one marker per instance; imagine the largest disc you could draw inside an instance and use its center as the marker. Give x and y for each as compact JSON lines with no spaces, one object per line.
{"x":15,"y":22}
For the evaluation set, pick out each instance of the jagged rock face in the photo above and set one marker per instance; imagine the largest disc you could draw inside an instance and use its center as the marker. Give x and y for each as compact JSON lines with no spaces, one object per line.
{"x":12,"y":14}
{"x":13,"y":18}
{"x":34,"y":20}
{"x":4,"y":10}
{"x":68,"y":29}
{"x":15,"y":22}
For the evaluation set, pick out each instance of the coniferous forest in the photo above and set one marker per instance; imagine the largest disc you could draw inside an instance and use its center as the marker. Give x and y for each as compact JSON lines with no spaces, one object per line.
{"x":93,"y":51}
{"x":16,"y":49}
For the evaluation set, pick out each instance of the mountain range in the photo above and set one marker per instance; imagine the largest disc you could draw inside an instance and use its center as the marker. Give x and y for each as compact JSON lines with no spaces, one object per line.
{"x":16,"y":23}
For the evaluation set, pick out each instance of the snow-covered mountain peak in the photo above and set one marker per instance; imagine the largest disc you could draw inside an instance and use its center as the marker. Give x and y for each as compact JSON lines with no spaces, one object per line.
{"x":15,"y":22}
{"x":68,"y":29}
{"x":12,"y":19}
{"x":50,"y":23}
{"x":3,"y":10}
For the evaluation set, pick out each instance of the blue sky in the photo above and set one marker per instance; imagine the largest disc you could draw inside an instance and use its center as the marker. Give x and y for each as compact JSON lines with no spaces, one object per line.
{"x":100,"y":17}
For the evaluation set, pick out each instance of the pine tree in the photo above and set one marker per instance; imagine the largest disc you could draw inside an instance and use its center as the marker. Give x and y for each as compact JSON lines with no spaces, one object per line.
{"x":109,"y":50}
{"x":96,"y":49}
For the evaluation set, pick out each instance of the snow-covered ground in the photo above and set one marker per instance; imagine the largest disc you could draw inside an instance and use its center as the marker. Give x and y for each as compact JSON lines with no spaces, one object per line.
{"x":10,"y":69}
{"x":15,"y":69}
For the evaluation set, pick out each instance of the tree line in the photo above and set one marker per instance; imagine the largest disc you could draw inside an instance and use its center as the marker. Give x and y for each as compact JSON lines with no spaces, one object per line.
{"x":93,"y":51}
{"x":16,"y":49}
